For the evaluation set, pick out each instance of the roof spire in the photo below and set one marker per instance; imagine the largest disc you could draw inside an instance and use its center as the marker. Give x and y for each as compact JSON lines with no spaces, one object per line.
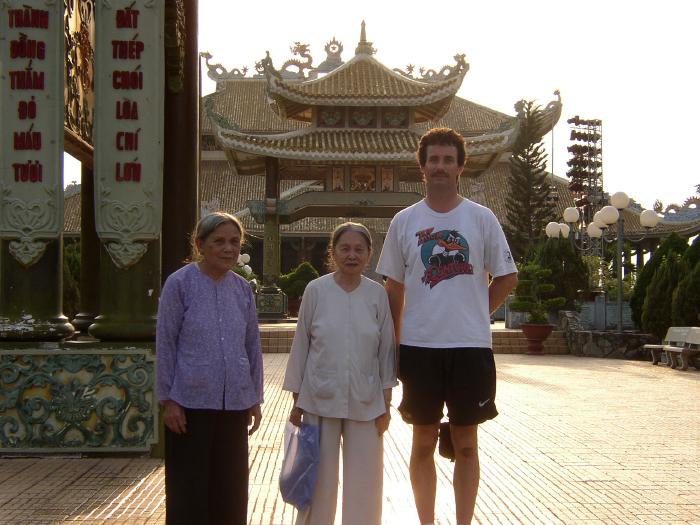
{"x":364,"y":47}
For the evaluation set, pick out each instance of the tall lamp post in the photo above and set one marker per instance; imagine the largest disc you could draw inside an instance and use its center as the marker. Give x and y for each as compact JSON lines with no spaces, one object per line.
{"x":603,"y":219}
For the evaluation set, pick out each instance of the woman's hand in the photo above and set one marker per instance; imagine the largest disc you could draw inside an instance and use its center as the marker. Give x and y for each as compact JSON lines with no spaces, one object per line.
{"x":254,"y":417}
{"x":382,"y":422}
{"x":295,"y":416}
{"x":174,"y":417}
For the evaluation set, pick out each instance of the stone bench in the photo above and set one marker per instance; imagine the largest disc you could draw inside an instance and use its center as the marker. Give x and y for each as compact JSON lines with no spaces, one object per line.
{"x":675,"y":337}
{"x":686,"y":352}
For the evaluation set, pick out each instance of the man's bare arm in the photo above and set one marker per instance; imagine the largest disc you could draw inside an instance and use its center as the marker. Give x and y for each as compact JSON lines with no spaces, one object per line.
{"x":394,"y":290}
{"x":499,"y":289}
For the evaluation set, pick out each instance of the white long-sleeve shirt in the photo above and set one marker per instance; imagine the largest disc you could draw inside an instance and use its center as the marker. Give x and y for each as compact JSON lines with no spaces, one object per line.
{"x":343,"y":354}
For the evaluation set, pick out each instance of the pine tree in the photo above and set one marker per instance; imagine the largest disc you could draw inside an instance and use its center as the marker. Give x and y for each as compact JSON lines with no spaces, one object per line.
{"x":656,"y":313}
{"x":685,"y":305}
{"x":528,"y":209}
{"x":673,"y":243}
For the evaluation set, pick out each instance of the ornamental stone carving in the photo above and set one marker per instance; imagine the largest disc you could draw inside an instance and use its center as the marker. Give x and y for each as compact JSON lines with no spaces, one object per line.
{"x":81,"y":400}
{"x":26,"y":251}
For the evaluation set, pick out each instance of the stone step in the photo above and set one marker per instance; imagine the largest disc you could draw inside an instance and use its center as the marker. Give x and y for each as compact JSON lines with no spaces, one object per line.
{"x":511,"y":341}
{"x":277,"y":338}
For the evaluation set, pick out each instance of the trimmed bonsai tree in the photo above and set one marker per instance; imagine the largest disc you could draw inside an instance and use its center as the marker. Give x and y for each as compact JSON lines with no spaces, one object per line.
{"x":294,"y":283}
{"x":533,"y":284}
{"x":567,"y":269}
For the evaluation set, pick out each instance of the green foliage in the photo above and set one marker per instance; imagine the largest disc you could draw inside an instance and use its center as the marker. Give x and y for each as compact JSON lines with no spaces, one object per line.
{"x":656,"y":311}
{"x":71,"y":278}
{"x":294,"y":283}
{"x":528,"y":209}
{"x":672,"y":244}
{"x":530,"y":293}
{"x":567,"y":270}
{"x":685,"y":304}
{"x":628,"y":283}
{"x":692,"y":255}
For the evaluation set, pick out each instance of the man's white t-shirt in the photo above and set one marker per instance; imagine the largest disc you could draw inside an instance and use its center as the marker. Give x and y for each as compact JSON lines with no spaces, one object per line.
{"x":444,"y":261}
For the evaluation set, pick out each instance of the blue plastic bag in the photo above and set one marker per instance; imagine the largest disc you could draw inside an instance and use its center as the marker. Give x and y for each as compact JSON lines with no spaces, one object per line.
{"x":300,"y":465}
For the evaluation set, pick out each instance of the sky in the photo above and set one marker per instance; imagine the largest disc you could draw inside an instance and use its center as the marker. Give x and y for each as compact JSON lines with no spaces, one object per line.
{"x":632,"y":64}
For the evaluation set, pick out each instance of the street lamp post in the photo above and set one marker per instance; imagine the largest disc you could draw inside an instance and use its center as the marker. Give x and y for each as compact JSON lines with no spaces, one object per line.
{"x":596,"y":229}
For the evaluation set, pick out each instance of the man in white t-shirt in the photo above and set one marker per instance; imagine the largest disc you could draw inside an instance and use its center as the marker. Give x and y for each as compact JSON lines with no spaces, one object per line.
{"x":448,"y":267}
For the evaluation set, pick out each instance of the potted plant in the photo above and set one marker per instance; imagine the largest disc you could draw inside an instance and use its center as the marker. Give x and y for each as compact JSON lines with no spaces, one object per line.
{"x":532,"y":284}
{"x":294,"y":283}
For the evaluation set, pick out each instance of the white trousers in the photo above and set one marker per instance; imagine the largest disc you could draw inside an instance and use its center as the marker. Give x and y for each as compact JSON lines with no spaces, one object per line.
{"x":363,"y":470}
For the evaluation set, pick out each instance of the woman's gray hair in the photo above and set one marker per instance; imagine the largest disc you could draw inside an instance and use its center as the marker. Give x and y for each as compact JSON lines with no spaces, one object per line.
{"x":206,"y":225}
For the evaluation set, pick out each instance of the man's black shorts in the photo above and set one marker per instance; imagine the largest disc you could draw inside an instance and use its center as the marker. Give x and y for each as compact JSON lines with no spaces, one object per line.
{"x":464,"y":379}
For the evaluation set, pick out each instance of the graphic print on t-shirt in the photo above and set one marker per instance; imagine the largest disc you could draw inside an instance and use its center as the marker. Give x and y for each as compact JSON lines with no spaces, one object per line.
{"x":445,"y":254}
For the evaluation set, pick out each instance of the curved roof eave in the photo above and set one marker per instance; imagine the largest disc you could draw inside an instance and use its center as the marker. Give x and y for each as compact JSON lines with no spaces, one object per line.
{"x":435,"y":90}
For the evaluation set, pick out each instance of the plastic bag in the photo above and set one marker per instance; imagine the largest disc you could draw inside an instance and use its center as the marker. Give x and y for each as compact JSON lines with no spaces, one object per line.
{"x":300,"y":465}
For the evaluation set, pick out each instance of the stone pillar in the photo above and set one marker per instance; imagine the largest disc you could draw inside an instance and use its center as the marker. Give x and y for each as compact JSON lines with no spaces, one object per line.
{"x":128,"y":138}
{"x":31,"y":173}
{"x":271,"y":301}
{"x":181,"y":161}
{"x":89,"y":254}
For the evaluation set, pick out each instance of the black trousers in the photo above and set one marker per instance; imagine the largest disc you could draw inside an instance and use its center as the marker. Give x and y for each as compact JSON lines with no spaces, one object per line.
{"x":206,"y":469}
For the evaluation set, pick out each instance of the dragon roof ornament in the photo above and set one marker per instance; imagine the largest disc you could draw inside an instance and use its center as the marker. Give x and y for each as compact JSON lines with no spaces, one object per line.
{"x":265,"y":66}
{"x":218,"y":73}
{"x":430,"y":75}
{"x":549,"y":116}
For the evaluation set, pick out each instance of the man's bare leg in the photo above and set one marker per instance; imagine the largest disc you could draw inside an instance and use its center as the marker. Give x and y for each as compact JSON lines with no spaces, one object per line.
{"x":466,"y":473}
{"x":422,"y":468}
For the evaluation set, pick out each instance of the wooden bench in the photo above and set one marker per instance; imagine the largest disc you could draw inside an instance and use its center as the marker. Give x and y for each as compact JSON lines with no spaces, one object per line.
{"x":686,"y":352}
{"x":675,"y":337}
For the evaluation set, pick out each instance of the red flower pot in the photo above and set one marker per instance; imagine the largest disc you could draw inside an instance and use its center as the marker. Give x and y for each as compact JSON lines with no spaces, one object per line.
{"x":535,"y":335}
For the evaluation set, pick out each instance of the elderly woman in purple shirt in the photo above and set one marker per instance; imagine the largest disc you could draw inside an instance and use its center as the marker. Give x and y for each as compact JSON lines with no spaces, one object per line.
{"x":209,"y":378}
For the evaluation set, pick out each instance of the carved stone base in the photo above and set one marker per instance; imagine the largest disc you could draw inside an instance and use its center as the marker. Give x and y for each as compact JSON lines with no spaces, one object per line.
{"x":121,"y":328}
{"x":30,"y":297}
{"x":128,"y":298}
{"x":28,"y":328}
{"x":271,"y":303}
{"x":82,"y":322}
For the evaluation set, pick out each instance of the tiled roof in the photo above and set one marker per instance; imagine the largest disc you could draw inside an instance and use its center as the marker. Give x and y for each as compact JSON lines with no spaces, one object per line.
{"x":346,"y":145}
{"x":328,"y":144}
{"x":469,"y":118}
{"x":244,"y":103}
{"x":365,"y":81}
{"x":71,"y":213}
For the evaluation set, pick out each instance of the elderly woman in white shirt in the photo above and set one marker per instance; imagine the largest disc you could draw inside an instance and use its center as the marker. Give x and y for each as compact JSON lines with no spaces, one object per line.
{"x":341,"y":370}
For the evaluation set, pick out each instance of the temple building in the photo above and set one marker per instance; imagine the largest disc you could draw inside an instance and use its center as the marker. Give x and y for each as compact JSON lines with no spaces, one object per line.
{"x":308,"y":145}
{"x":295,"y":150}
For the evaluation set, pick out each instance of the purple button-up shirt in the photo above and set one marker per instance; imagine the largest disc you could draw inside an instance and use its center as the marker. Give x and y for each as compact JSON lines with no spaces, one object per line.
{"x":207,"y":342}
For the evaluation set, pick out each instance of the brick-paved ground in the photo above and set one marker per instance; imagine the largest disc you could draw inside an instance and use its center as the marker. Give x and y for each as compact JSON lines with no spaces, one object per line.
{"x":578,"y":440}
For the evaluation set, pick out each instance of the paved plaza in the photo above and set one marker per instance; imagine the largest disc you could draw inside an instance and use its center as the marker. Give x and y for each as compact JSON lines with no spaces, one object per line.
{"x":578,"y":440}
